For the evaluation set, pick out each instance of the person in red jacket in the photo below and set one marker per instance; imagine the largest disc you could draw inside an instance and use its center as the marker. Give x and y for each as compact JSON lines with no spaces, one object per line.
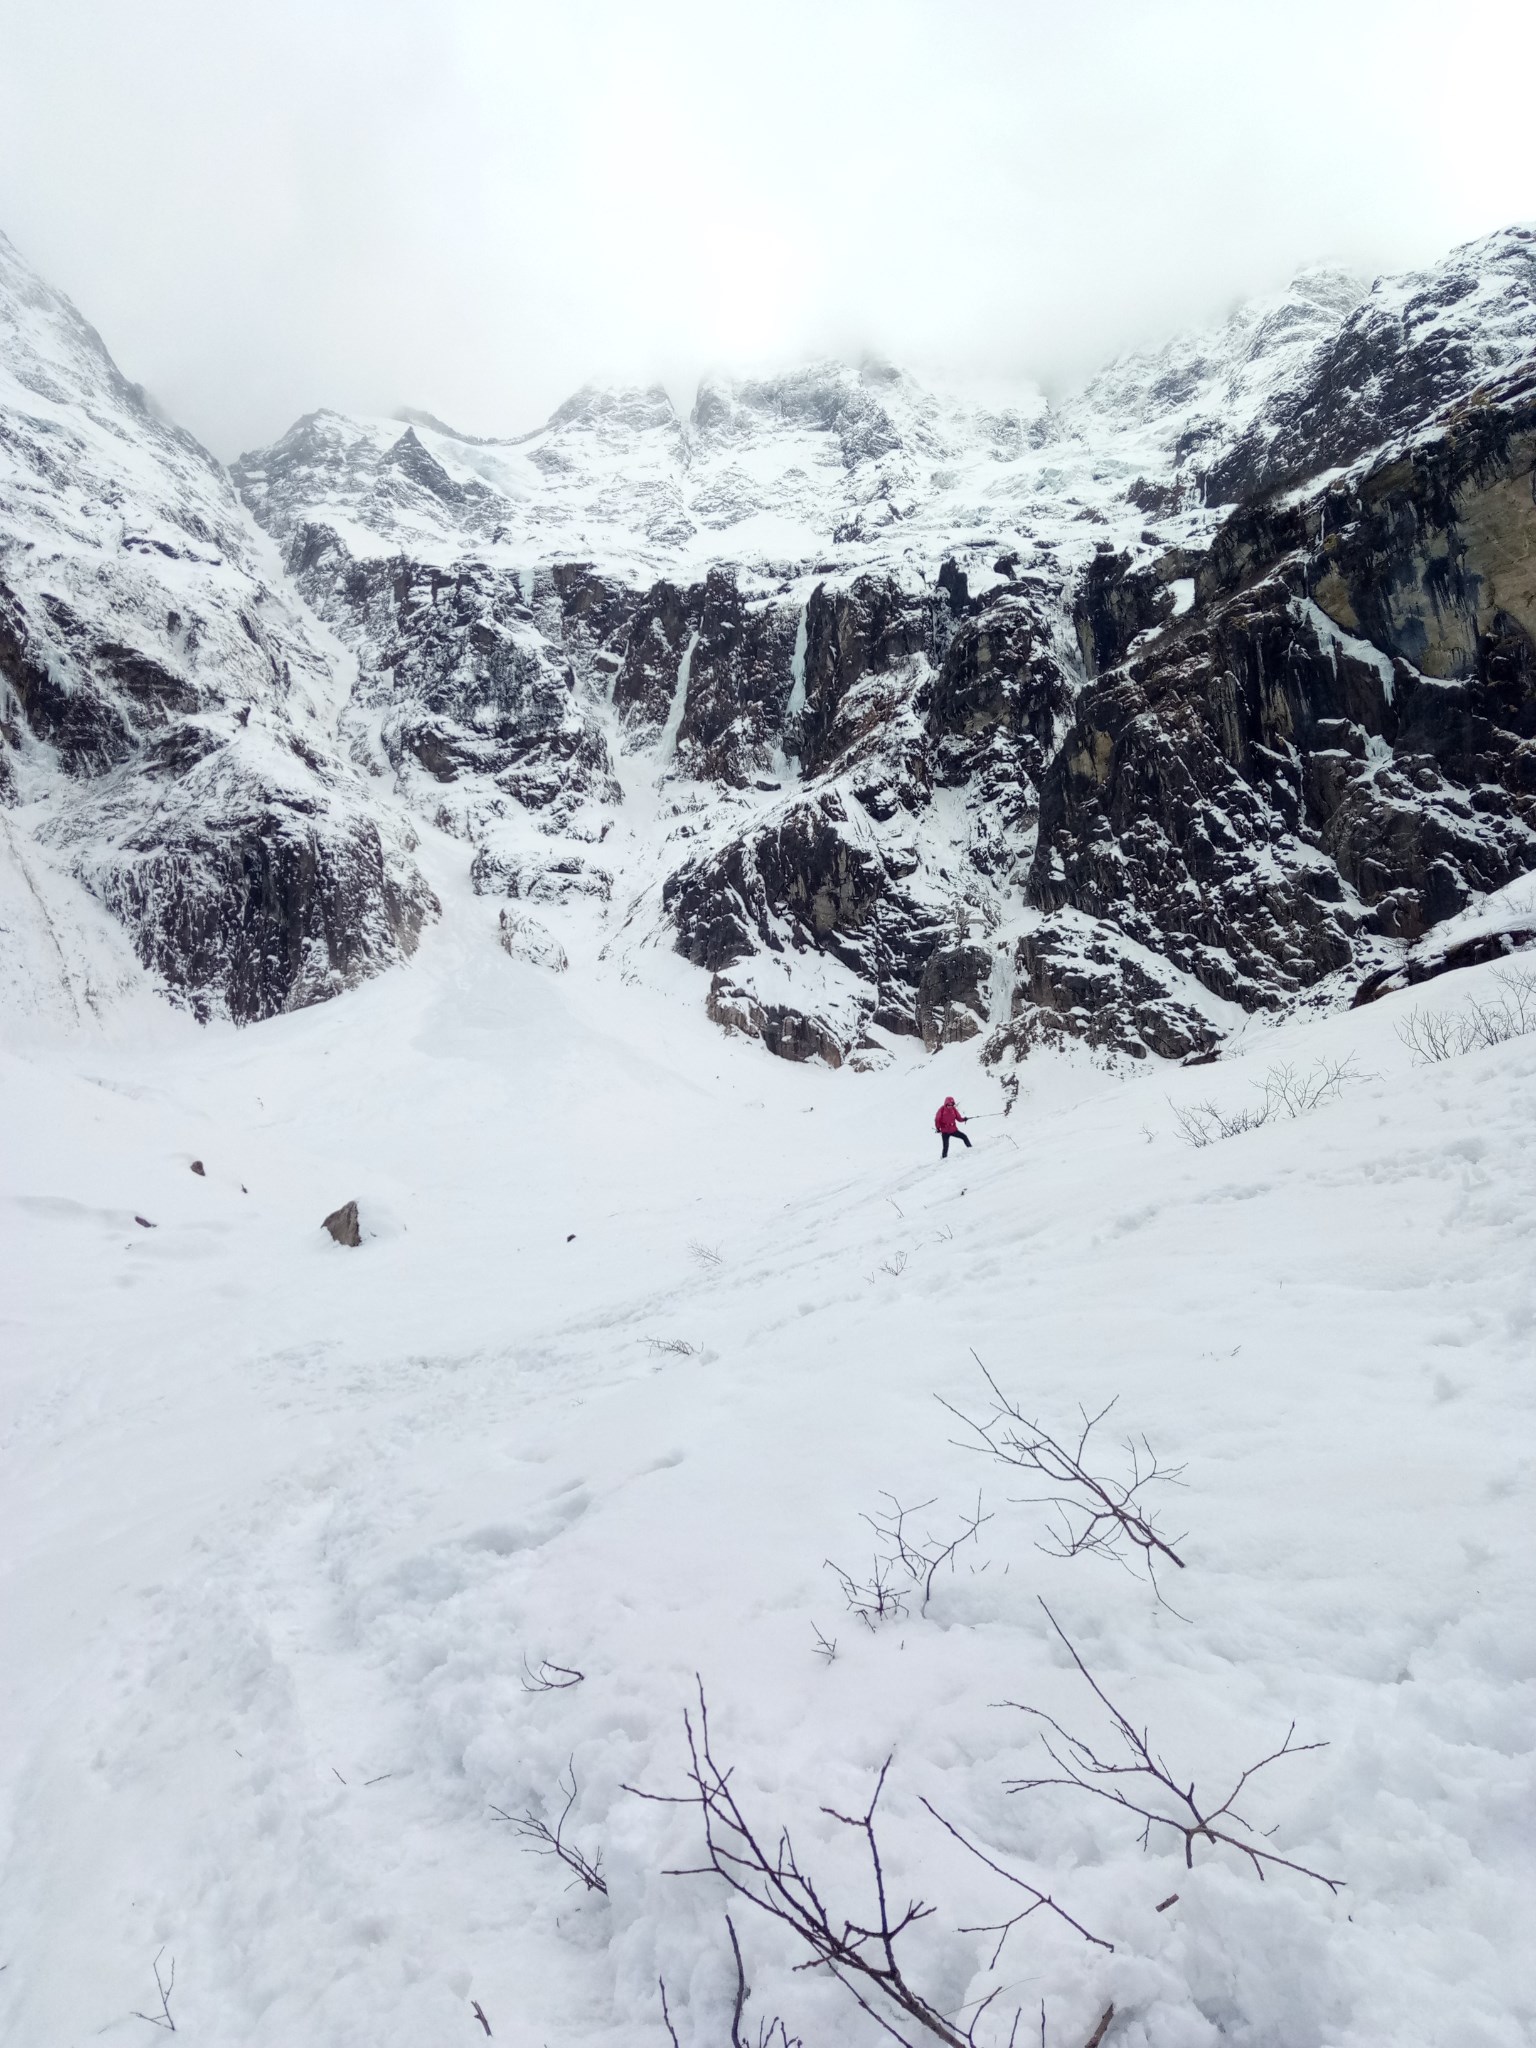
{"x":947,"y":1123}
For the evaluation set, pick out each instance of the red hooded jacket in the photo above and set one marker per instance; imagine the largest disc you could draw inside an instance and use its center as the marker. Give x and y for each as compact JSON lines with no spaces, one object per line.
{"x":949,"y":1118}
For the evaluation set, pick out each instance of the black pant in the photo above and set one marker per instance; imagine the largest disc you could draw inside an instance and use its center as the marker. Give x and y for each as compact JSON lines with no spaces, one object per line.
{"x":947,"y":1135}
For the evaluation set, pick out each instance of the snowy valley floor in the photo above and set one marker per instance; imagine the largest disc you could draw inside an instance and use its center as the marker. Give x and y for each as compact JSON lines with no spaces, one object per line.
{"x":285,"y":1525}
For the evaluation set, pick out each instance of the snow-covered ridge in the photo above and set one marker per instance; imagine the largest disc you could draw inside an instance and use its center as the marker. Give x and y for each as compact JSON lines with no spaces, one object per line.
{"x":171,"y":711}
{"x":801,"y":663}
{"x":861,"y":464}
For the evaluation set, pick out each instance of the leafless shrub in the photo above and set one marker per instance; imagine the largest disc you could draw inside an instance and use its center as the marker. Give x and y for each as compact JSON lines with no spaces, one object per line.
{"x":880,"y":1597}
{"x":861,"y":1956}
{"x":1285,"y":1092}
{"x":550,"y":1677}
{"x":1094,"y":1511}
{"x":895,"y":1265}
{"x":1435,"y":1035}
{"x":825,"y":1649}
{"x":708,"y":1255}
{"x":550,"y":1841}
{"x":1142,"y":1785}
{"x":903,"y":1561}
{"x":165,"y":1986}
{"x":1202,"y":1123}
{"x":674,"y":1347}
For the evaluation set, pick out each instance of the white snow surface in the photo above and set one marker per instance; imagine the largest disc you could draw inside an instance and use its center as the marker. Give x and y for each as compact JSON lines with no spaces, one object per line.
{"x":285,"y":1525}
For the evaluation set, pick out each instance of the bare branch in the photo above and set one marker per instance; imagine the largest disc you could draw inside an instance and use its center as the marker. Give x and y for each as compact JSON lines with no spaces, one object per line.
{"x":165,"y":1986}
{"x":550,"y":1841}
{"x":861,"y":1953}
{"x":1172,"y":1804}
{"x":875,"y":1599}
{"x":666,"y":2017}
{"x":1093,"y":1511}
{"x":860,"y":1957}
{"x":903,"y":1555}
{"x":550,"y":1677}
{"x":1101,"y":2029}
{"x":1003,"y":1928}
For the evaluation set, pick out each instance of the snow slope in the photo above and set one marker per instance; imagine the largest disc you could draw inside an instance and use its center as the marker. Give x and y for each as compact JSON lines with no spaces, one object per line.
{"x":286,"y":1525}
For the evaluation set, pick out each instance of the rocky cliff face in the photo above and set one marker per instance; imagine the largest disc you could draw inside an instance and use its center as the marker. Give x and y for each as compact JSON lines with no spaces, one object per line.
{"x":1209,"y":692}
{"x":167,"y":714}
{"x":1334,"y":746}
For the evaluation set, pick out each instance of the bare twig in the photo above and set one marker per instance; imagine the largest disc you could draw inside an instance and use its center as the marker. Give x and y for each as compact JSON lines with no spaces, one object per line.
{"x":875,"y":1599}
{"x":550,"y":1677}
{"x":895,"y":1265}
{"x":1101,"y":2029}
{"x":860,"y":1953}
{"x":708,"y":1255}
{"x":1038,"y":1899}
{"x":550,"y":1841}
{"x":824,"y":1649}
{"x":474,"y":2006}
{"x":1173,"y":1805}
{"x":165,"y":1986}
{"x":666,"y":2017}
{"x":862,"y":1958}
{"x":903,"y":1555}
{"x":678,"y":1347}
{"x":1094,"y":1511}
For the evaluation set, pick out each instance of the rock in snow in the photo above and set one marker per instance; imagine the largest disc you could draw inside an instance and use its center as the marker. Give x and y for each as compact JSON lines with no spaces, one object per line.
{"x":342,"y":1223}
{"x":1208,"y":692}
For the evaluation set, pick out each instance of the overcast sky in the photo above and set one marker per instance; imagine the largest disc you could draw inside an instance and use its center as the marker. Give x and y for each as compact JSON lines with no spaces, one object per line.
{"x":477,"y":205}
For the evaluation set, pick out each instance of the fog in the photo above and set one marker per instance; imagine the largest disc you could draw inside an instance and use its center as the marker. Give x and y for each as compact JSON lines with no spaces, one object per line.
{"x":477,"y":205}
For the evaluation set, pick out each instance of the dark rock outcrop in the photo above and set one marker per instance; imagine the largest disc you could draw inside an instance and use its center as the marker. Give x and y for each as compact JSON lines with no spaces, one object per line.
{"x":952,"y":995}
{"x":161,"y":702}
{"x":249,"y":916}
{"x":1073,"y":980}
{"x":809,"y":881}
{"x":739,"y":682}
{"x":1339,"y":741}
{"x":853,"y":638}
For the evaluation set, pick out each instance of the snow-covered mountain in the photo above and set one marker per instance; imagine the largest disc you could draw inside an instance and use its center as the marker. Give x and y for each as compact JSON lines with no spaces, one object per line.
{"x":353,"y":1596}
{"x":171,"y":713}
{"x":888,"y":713}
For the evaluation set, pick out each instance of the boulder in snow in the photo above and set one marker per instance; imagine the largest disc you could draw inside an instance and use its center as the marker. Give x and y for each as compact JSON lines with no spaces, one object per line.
{"x":524,"y":938}
{"x":342,"y":1223}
